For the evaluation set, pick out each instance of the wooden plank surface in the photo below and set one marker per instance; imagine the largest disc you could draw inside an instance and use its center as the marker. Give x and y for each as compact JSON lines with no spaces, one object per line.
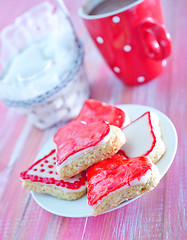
{"x":160,"y":214}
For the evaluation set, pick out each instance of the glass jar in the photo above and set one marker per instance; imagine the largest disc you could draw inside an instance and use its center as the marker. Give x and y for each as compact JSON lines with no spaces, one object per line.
{"x":42,"y":66}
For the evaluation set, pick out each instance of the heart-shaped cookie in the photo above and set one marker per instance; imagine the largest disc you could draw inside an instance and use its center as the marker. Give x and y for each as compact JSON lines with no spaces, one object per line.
{"x":80,"y":145}
{"x":43,"y":178}
{"x":117,"y":179}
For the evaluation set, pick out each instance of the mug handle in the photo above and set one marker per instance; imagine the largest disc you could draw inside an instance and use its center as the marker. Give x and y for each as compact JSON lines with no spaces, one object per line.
{"x":156,"y":40}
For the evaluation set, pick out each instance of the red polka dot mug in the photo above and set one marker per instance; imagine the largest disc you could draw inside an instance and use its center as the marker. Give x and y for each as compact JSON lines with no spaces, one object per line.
{"x":133,"y":39}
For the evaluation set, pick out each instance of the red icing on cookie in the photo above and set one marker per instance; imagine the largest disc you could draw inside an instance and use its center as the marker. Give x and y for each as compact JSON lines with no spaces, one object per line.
{"x":111,"y":174}
{"x":152,"y":133}
{"x":93,"y":110}
{"x":135,"y":131}
{"x":50,"y":166}
{"x":54,"y":178}
{"x":121,"y":152}
{"x":77,"y":136}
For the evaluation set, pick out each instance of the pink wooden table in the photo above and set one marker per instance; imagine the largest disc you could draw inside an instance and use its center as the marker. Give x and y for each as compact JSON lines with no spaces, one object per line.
{"x":159,"y":214}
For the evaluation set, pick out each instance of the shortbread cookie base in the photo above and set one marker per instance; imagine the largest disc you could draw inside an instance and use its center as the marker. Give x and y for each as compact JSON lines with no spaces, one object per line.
{"x":114,"y":199}
{"x":159,"y":148}
{"x":159,"y":151}
{"x":40,"y":188}
{"x":102,"y":152}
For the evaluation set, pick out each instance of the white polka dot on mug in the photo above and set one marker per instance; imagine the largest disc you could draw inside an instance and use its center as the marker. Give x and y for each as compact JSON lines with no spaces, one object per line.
{"x":141,"y":79}
{"x":116,"y":69}
{"x":100,"y":40}
{"x":116,"y":19}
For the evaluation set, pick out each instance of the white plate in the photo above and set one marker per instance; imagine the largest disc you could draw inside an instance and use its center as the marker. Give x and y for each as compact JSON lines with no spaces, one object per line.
{"x":80,"y":208}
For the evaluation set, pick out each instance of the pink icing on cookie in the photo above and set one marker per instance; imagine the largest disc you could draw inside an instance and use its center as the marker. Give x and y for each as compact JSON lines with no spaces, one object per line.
{"x":111,"y":174}
{"x":94,"y":110}
{"x":44,"y":171}
{"x":77,"y":136}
